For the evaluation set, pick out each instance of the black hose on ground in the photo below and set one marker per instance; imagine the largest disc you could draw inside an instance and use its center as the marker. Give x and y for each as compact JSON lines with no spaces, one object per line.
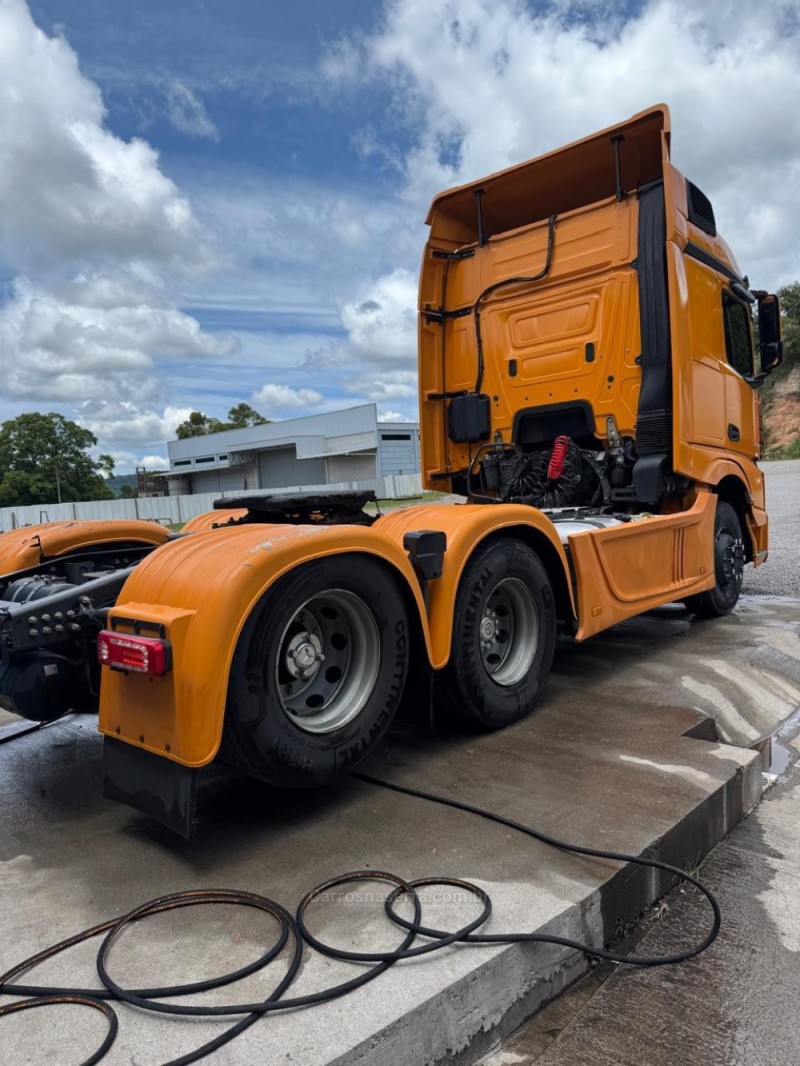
{"x":294,"y":932}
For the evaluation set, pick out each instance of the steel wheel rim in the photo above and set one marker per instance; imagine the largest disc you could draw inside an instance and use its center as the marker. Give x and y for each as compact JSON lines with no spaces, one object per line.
{"x":729,"y":561}
{"x":327,"y":663}
{"x":508,"y":632}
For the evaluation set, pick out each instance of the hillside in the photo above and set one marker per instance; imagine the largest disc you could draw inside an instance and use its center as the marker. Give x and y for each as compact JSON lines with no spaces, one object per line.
{"x":781,"y":401}
{"x":780,"y":396}
{"x":115,"y":483}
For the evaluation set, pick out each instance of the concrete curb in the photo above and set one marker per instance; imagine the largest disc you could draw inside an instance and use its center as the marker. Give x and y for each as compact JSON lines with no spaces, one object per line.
{"x":465,"y":1019}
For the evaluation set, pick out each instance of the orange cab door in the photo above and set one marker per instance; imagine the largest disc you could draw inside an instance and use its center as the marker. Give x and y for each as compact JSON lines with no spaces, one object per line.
{"x":724,"y":406}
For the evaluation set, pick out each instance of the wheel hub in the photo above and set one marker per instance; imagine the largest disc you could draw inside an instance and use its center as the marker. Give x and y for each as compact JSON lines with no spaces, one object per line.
{"x":733,"y":560}
{"x":304,"y":655}
{"x":328,"y":661}
{"x":508,"y":632}
{"x":488,"y":627}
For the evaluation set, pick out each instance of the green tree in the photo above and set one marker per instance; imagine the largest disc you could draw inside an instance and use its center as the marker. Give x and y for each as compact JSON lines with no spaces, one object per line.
{"x":242,"y":415}
{"x":780,"y":393}
{"x":789,"y":297}
{"x":44,"y":459}
{"x":127,"y":492}
{"x":199,"y":424}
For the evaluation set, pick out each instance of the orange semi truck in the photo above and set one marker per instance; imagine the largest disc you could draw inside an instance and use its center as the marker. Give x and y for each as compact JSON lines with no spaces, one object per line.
{"x":588,"y":381}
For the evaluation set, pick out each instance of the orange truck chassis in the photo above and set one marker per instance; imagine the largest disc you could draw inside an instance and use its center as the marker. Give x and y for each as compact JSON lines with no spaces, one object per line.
{"x":588,"y":383}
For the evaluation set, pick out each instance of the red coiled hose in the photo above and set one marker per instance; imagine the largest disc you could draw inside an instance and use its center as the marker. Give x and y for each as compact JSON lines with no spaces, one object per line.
{"x":555,"y":468}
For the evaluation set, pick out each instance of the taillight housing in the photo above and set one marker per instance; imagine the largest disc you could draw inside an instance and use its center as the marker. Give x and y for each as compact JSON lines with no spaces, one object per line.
{"x":134,"y":654}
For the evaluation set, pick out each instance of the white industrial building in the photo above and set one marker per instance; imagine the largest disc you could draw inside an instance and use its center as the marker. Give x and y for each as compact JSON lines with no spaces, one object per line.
{"x":327,"y":449}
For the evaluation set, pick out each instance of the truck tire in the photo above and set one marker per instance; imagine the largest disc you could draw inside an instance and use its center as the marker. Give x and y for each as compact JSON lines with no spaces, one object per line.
{"x":504,"y":633}
{"x":317,"y":674}
{"x":728,"y":567}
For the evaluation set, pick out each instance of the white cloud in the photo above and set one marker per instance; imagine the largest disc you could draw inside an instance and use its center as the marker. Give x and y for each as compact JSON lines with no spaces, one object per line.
{"x":69,"y":188}
{"x":127,"y":422}
{"x":187,"y":112}
{"x":482,"y":84}
{"x":383,"y":386}
{"x":154,"y":462}
{"x":126,"y":461}
{"x":395,"y":416}
{"x":382,"y":323}
{"x":55,"y":349}
{"x":99,"y":238}
{"x":282,"y":396}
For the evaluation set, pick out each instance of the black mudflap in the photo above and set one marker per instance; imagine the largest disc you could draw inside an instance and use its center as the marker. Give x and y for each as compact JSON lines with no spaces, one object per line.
{"x":158,"y":787}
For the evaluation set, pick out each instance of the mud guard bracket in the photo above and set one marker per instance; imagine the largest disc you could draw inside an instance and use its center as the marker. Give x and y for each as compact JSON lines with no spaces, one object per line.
{"x":158,"y":787}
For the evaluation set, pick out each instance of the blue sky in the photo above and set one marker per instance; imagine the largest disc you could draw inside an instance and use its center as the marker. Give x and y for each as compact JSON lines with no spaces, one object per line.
{"x":203,"y":202}
{"x":253,"y":65}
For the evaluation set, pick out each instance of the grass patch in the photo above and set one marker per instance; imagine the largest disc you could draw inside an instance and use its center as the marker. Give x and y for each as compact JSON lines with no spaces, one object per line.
{"x":789,"y":451}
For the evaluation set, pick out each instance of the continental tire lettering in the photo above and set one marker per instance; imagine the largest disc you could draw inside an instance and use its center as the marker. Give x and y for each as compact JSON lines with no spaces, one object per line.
{"x":289,"y":757}
{"x":401,"y":643}
{"x":476,"y":595}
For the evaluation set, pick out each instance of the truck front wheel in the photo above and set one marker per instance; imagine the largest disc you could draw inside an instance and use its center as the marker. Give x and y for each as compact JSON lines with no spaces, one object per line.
{"x":728,"y":567}
{"x":504,"y":633}
{"x":318,"y":673}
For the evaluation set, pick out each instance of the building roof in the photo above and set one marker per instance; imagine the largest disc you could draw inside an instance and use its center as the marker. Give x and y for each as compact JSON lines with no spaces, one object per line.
{"x":354,"y":429}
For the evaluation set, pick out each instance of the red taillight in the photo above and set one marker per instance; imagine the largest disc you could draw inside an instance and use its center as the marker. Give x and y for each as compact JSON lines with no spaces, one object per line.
{"x":140,"y":655}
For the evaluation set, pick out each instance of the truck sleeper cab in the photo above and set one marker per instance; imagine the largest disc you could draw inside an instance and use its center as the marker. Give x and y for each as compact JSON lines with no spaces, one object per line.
{"x":587,"y":380}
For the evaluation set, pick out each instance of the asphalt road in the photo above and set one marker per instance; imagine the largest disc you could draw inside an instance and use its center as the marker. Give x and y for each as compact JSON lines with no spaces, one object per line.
{"x":780,"y":574}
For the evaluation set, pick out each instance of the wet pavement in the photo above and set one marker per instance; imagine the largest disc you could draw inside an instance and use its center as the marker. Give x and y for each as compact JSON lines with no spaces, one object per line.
{"x":735,"y":1005}
{"x":605,"y":761}
{"x":622,"y":753}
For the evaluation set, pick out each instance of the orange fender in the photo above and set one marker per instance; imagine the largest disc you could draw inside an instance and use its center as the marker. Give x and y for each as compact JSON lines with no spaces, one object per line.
{"x":199,"y":591}
{"x":752,"y":478}
{"x":466,"y":525}
{"x":26,"y":547}
{"x":211,"y":520}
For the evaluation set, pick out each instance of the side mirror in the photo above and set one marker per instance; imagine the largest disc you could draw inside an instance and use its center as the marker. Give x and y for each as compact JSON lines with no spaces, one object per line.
{"x":769,"y":331}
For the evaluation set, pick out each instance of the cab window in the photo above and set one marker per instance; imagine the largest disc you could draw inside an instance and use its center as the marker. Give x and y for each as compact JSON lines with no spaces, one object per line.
{"x":738,"y":340}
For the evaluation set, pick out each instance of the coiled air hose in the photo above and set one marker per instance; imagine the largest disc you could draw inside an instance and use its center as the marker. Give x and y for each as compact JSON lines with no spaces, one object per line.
{"x":294,"y":932}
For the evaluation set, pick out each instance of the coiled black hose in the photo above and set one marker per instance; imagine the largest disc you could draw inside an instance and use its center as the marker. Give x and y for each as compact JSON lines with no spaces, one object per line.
{"x":525,"y":477}
{"x":294,"y":932}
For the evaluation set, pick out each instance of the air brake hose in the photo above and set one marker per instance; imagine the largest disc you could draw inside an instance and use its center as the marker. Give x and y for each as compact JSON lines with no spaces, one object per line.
{"x":294,"y":933}
{"x":555,"y":468}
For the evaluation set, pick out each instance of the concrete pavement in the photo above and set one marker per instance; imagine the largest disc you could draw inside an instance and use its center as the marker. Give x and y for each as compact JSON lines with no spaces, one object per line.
{"x":622,"y":753}
{"x":735,"y":1005}
{"x":604,"y":761}
{"x":70,"y":859}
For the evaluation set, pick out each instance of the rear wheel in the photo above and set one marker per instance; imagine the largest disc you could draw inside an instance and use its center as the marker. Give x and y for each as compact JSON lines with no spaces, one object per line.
{"x":729,"y":559}
{"x":504,"y":633}
{"x":318,"y":673}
